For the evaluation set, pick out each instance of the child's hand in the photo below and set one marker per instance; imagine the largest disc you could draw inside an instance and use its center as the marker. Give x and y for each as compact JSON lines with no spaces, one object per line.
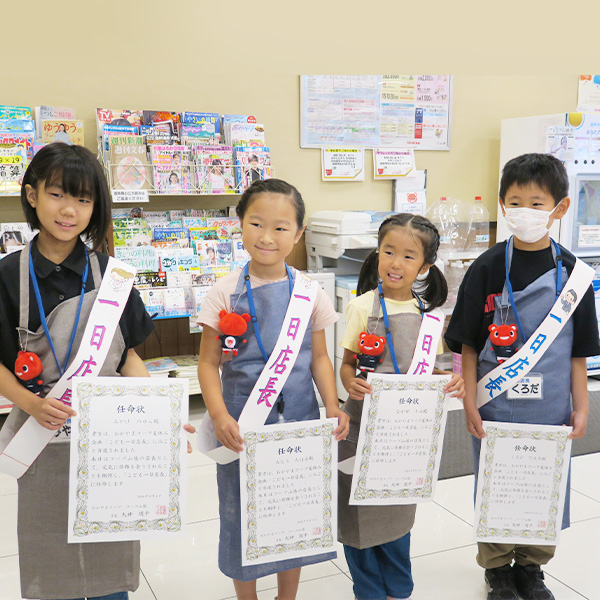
{"x":343,"y":422}
{"x":190,"y":429}
{"x":474,"y":422}
{"x":578,"y":422}
{"x":227,"y":431}
{"x":51,"y":413}
{"x":456,"y":385}
{"x":358,"y":388}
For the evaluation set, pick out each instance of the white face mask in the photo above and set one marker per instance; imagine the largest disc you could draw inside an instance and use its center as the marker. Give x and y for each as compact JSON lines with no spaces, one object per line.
{"x":529,"y":225}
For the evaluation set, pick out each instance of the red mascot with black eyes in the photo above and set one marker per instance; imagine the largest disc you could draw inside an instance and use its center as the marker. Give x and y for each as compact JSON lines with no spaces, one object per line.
{"x":504,"y":341}
{"x":28,"y":368}
{"x":371,"y":347}
{"x":234,"y":327}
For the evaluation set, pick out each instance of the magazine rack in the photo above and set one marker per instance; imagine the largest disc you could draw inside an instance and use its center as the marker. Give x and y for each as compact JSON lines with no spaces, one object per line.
{"x":184,"y":178}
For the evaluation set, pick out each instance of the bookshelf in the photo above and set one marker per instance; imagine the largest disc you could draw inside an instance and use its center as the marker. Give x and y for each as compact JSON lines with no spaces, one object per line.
{"x":171,"y":337}
{"x":208,"y":174}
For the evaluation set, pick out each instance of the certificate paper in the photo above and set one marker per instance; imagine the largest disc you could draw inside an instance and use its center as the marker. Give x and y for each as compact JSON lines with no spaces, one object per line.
{"x":523,"y":471}
{"x":400,"y":440}
{"x":288,"y":484}
{"x":128,"y":455}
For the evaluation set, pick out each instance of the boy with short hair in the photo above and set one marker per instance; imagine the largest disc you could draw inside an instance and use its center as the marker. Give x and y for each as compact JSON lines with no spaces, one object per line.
{"x":533,"y":193}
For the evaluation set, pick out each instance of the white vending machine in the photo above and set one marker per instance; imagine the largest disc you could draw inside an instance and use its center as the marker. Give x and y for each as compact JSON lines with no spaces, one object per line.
{"x":579,"y":147}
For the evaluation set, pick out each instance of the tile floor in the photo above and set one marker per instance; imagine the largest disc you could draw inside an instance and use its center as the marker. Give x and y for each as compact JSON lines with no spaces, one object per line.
{"x":443,"y":550}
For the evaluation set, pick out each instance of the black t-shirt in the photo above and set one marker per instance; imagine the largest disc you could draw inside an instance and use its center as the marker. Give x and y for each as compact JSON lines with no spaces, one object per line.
{"x":474,"y":311}
{"x":58,"y":283}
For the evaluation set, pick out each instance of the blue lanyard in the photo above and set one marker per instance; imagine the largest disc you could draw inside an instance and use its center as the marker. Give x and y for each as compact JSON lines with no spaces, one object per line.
{"x":38,"y":297}
{"x":511,"y":297}
{"x":388,"y":331}
{"x":253,"y":308}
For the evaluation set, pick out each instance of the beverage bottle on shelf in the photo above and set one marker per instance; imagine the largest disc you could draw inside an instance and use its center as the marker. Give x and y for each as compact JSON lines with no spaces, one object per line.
{"x":450,"y":274}
{"x":459,"y":274}
{"x":478,"y":239}
{"x":454,"y":276}
{"x":458,"y":224}
{"x":438,"y":215}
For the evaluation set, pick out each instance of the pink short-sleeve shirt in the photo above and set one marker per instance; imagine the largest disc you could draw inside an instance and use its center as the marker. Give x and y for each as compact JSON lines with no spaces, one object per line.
{"x":218,"y":298}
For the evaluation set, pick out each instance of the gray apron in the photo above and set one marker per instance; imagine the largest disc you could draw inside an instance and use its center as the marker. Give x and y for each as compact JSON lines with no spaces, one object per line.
{"x":366,"y":526}
{"x":533,"y":305}
{"x":50,"y":568}
{"x":239,"y":376}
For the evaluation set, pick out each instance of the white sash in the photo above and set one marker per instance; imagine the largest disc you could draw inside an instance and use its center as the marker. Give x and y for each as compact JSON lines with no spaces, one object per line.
{"x":274,"y":374}
{"x":505,"y":375}
{"x":430,"y":332}
{"x":423,"y":360}
{"x":18,"y":453}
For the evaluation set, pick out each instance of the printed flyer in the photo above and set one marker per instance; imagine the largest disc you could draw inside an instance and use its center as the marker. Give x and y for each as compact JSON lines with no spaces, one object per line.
{"x":343,"y":164}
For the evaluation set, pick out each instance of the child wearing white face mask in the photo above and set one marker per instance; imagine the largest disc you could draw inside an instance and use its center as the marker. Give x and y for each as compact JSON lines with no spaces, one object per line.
{"x":516,"y":283}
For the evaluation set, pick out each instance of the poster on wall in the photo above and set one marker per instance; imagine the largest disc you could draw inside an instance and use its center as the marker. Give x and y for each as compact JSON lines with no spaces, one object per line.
{"x":369,"y":111}
{"x":391,"y":163}
{"x":343,"y":164}
{"x":588,"y":93}
{"x":560,"y":142}
{"x":409,"y":194}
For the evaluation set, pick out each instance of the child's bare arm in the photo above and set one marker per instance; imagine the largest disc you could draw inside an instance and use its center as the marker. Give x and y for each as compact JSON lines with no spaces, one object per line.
{"x":226,"y":427}
{"x":322,"y":372}
{"x":48,"y":412}
{"x":356,"y":387}
{"x":579,"y":392}
{"x":469,"y":369}
{"x":134,"y":366}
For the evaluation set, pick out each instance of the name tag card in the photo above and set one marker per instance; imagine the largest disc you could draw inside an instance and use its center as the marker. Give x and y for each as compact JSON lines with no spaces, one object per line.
{"x":527,"y":388}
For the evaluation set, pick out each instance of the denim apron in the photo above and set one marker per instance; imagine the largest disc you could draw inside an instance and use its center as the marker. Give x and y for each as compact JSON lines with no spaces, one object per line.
{"x":239,"y":376}
{"x":50,"y":568}
{"x":533,"y":305}
{"x":367,"y":526}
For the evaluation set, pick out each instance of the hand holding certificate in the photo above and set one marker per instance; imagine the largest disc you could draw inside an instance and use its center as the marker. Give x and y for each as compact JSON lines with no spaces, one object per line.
{"x":128,"y":458}
{"x":288,"y":485}
{"x":522,"y":483}
{"x":400,"y":441}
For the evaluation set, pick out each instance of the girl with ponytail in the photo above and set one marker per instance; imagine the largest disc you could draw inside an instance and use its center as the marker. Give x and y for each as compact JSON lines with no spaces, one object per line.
{"x":387,"y":313}
{"x":425,"y":235}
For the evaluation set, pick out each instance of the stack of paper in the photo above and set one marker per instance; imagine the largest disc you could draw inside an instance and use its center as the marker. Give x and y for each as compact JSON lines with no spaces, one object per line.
{"x":187,"y":367}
